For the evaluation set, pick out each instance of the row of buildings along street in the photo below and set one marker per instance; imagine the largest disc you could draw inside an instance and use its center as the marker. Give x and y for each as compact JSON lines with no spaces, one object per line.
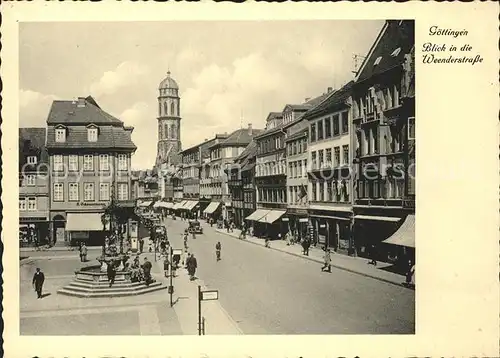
{"x":338,"y":168}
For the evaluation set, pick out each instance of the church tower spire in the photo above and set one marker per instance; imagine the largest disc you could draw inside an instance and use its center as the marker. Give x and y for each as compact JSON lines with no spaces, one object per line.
{"x":169,"y":122}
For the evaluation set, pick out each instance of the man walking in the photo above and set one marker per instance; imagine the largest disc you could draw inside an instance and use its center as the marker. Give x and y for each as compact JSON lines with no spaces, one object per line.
{"x":147,"y":271}
{"x":111,"y":271}
{"x":83,"y":253}
{"x":38,"y":279}
{"x":191,"y":266}
{"x":141,"y":244}
{"x":328,"y":261}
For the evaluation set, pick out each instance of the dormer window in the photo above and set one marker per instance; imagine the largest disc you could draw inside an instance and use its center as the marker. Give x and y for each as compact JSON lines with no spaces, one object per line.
{"x":31,"y":159}
{"x":92,"y":134}
{"x":377,"y":61}
{"x":396,"y":52}
{"x":60,"y":135}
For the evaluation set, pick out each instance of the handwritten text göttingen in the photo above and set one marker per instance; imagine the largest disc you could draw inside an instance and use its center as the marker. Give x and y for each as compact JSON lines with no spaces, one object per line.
{"x":458,"y":55}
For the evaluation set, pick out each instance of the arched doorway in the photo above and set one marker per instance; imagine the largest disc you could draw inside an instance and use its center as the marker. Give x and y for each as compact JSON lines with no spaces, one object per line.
{"x":59,"y":224}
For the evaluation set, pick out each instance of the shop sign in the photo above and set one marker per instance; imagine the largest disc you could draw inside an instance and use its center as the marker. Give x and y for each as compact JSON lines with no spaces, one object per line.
{"x":209,"y":295}
{"x":82,"y":203}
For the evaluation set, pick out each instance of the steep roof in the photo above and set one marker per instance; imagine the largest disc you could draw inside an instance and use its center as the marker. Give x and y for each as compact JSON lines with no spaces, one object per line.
{"x":395,"y":34}
{"x":240,"y":137}
{"x":80,"y":112}
{"x":32,"y":143}
{"x":335,"y":101}
{"x":304,"y":126}
{"x":109,"y":137}
{"x":249,"y":151}
{"x":308,"y":105}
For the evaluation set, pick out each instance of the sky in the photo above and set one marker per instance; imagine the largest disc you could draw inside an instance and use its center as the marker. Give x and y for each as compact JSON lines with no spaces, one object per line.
{"x":229,"y":73}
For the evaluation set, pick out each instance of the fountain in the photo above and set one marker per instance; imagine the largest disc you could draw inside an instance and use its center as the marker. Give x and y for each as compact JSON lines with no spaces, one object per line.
{"x":92,"y":281}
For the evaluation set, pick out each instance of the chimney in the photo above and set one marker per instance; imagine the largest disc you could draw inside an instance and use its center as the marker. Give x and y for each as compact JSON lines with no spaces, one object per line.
{"x":81,"y":102}
{"x":308,"y":98}
{"x":250,"y":129}
{"x":329,"y":89}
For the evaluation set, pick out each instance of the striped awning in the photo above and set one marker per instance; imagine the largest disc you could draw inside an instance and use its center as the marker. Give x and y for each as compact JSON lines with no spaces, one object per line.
{"x":272,"y":216}
{"x":84,"y":222}
{"x":377,"y":218}
{"x":145,"y":203}
{"x":211,"y":207}
{"x":405,"y":236}
{"x":257,"y":214}
{"x":190,"y":205}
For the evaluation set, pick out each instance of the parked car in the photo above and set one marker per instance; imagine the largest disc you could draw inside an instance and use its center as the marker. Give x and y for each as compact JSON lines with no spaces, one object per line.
{"x":195,"y":226}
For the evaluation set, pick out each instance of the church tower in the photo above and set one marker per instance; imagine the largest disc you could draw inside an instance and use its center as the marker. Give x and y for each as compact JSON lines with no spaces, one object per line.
{"x":169,"y":123}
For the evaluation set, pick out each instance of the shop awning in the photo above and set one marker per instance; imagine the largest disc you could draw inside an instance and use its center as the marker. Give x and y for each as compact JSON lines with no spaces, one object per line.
{"x":84,"y":222}
{"x":144,"y":204}
{"x":405,"y":236}
{"x":167,"y":205}
{"x":344,"y":209}
{"x":257,"y":214}
{"x":157,"y":204}
{"x":177,"y":206}
{"x":272,"y":216}
{"x":377,"y":218}
{"x":211,"y":207}
{"x":190,"y":205}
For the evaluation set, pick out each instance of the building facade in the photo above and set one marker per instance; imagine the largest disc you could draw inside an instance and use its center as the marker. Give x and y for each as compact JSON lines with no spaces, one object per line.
{"x":296,"y":182}
{"x":89,"y":158}
{"x":241,"y":184}
{"x":384,"y":137}
{"x":169,"y":122}
{"x":222,"y":155}
{"x":330,"y":179}
{"x":34,"y":180}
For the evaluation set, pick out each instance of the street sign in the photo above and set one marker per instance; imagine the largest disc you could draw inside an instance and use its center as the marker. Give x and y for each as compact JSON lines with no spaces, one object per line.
{"x":176,"y":252}
{"x":209,"y":295}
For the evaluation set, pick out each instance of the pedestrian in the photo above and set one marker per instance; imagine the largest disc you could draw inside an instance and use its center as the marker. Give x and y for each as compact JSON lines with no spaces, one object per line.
{"x":184,"y":257}
{"x":83,"y":253}
{"x":287,"y":238}
{"x":266,"y":242}
{"x":146,"y":266}
{"x":137,"y":263}
{"x":192,"y":266}
{"x":111,"y":271}
{"x":373,"y":253}
{"x":306,"y":244}
{"x":327,"y":261}
{"x":141,"y":245}
{"x":186,"y":262}
{"x":38,"y":280}
{"x":410,"y":274}
{"x":218,"y":248}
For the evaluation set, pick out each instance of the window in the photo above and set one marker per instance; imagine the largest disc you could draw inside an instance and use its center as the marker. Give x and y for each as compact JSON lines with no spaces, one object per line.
{"x":375,"y":140}
{"x":299,"y":145}
{"x":88,"y":162}
{"x":313,"y":160}
{"x":103,"y":162}
{"x":31,"y":204}
{"x":31,"y":159}
{"x":122,"y":191}
{"x":92,"y":134}
{"x":329,"y":192}
{"x":337,"y":156}
{"x":73,"y":192}
{"x":58,"y":192}
{"x":314,"y":191}
{"x":88,"y":191}
{"x":328,"y":127}
{"x":345,"y":122}
{"x":103,"y":191}
{"x":294,"y":148}
{"x":58,"y":163}
{"x":411,"y":128}
{"x":304,"y":147}
{"x":313,"y":132}
{"x":60,"y":135}
{"x":329,"y":157}
{"x":122,"y":162}
{"x":345,"y":150}
{"x":321,"y":159}
{"x":73,"y":162}
{"x":388,"y":98}
{"x":320,"y":130}
{"x":336,"y":125}
{"x":30,"y":180}
{"x":22,"y":204}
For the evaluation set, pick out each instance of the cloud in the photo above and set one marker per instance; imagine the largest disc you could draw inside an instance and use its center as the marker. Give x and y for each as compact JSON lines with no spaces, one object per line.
{"x":34,"y":108}
{"x":126,"y":74}
{"x":142,"y":117}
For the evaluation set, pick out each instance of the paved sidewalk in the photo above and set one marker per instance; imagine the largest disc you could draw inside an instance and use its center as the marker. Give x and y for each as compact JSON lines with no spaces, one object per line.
{"x":352,"y":264}
{"x":185,"y":298}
